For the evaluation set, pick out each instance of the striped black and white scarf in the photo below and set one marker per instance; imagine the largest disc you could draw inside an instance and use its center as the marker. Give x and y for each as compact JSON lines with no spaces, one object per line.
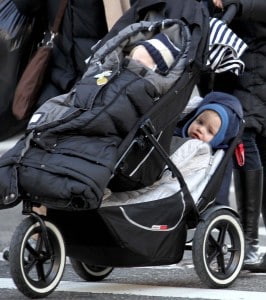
{"x":225,"y":49}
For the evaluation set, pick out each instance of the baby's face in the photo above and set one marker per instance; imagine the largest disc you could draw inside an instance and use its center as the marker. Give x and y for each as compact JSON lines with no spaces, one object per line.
{"x":140,"y":54}
{"x":205,"y":126}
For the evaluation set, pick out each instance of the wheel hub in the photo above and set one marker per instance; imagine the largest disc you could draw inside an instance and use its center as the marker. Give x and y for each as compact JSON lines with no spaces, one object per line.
{"x":224,"y":249}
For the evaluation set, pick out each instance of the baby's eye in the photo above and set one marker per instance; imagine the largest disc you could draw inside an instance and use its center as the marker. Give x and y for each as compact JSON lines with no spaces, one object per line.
{"x":211,"y":132}
{"x":199,"y":121}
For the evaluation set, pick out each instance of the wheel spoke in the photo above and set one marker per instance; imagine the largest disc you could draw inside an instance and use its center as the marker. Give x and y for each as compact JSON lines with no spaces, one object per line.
{"x":212,"y":257}
{"x":32,"y":250}
{"x":222,"y":234}
{"x":29,"y":264}
{"x":221,"y":263}
{"x":233,"y":250}
{"x":39,"y":243}
{"x":40,"y":270}
{"x":211,"y":249}
{"x":221,"y":241}
{"x":213,"y":241}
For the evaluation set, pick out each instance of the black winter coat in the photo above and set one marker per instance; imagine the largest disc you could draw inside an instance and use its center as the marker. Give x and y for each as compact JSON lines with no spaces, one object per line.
{"x":83,"y":25}
{"x":250,"y":87}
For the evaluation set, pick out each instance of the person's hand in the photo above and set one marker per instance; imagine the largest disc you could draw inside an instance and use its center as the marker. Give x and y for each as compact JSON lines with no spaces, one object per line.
{"x":218,"y":3}
{"x":224,"y":3}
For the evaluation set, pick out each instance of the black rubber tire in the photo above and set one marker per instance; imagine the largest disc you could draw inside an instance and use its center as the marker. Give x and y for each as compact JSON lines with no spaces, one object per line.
{"x":218,"y":249}
{"x":88,"y":272}
{"x":36,"y":271}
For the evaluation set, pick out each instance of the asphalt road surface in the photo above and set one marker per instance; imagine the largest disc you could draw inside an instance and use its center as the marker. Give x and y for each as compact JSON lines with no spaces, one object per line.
{"x":167,"y":282}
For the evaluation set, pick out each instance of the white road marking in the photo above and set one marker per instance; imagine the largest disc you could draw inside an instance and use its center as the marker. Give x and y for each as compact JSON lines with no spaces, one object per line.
{"x":147,"y":290}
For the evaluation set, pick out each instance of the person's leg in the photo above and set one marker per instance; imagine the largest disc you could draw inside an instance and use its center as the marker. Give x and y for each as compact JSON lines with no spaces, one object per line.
{"x":261,"y":142}
{"x":248,"y":182}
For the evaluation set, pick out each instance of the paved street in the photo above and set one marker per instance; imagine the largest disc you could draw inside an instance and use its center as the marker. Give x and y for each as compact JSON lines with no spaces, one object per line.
{"x":169,"y":282}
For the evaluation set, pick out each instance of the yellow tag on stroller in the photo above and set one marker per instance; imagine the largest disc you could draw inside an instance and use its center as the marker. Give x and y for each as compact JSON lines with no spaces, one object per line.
{"x":102,"y":77}
{"x":102,"y":80}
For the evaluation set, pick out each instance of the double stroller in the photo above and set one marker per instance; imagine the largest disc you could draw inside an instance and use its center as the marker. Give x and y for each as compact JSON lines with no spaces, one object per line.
{"x":116,"y":135}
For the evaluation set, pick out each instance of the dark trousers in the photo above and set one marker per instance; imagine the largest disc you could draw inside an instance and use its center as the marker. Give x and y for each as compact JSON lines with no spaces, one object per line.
{"x":255,"y":158}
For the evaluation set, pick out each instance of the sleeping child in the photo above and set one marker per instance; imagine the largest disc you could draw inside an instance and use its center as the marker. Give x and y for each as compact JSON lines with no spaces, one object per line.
{"x":71,"y":144}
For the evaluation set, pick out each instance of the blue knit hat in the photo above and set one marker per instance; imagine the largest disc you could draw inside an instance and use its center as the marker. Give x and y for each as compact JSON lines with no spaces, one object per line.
{"x":221,"y":111}
{"x":162,"y":50}
{"x":230,"y":111}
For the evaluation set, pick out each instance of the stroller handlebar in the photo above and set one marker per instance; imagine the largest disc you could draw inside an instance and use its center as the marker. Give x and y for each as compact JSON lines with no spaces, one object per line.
{"x":230,"y":13}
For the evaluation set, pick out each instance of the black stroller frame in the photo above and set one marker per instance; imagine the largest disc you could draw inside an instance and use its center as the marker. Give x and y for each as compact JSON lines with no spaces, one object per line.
{"x":217,"y":258}
{"x":127,"y":236}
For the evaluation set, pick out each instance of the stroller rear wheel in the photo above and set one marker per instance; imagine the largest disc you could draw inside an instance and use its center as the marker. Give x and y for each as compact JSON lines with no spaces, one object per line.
{"x":37,"y":258}
{"x":218,"y":249}
{"x":89,"y":272}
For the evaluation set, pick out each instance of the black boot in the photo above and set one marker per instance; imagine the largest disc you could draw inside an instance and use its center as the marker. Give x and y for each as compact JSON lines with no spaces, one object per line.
{"x":262,"y":267}
{"x":263,"y":204}
{"x":248,"y":189}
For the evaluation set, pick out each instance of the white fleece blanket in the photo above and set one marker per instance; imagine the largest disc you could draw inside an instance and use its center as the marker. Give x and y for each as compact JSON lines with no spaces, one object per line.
{"x":195,"y":161}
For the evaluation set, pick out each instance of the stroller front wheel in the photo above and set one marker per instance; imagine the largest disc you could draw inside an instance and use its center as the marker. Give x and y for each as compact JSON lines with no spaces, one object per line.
{"x":35,"y":265}
{"x":218,"y":249}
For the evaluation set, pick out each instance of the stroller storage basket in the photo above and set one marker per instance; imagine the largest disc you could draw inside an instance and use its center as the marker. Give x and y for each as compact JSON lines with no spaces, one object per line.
{"x":155,"y":230}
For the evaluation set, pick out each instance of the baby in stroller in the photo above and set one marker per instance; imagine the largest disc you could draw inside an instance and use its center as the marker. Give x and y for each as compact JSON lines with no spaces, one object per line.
{"x":216,"y":120}
{"x":71,"y":145}
{"x":205,"y":133}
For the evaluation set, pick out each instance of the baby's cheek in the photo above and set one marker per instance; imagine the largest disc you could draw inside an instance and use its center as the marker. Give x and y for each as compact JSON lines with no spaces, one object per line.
{"x":209,"y":138}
